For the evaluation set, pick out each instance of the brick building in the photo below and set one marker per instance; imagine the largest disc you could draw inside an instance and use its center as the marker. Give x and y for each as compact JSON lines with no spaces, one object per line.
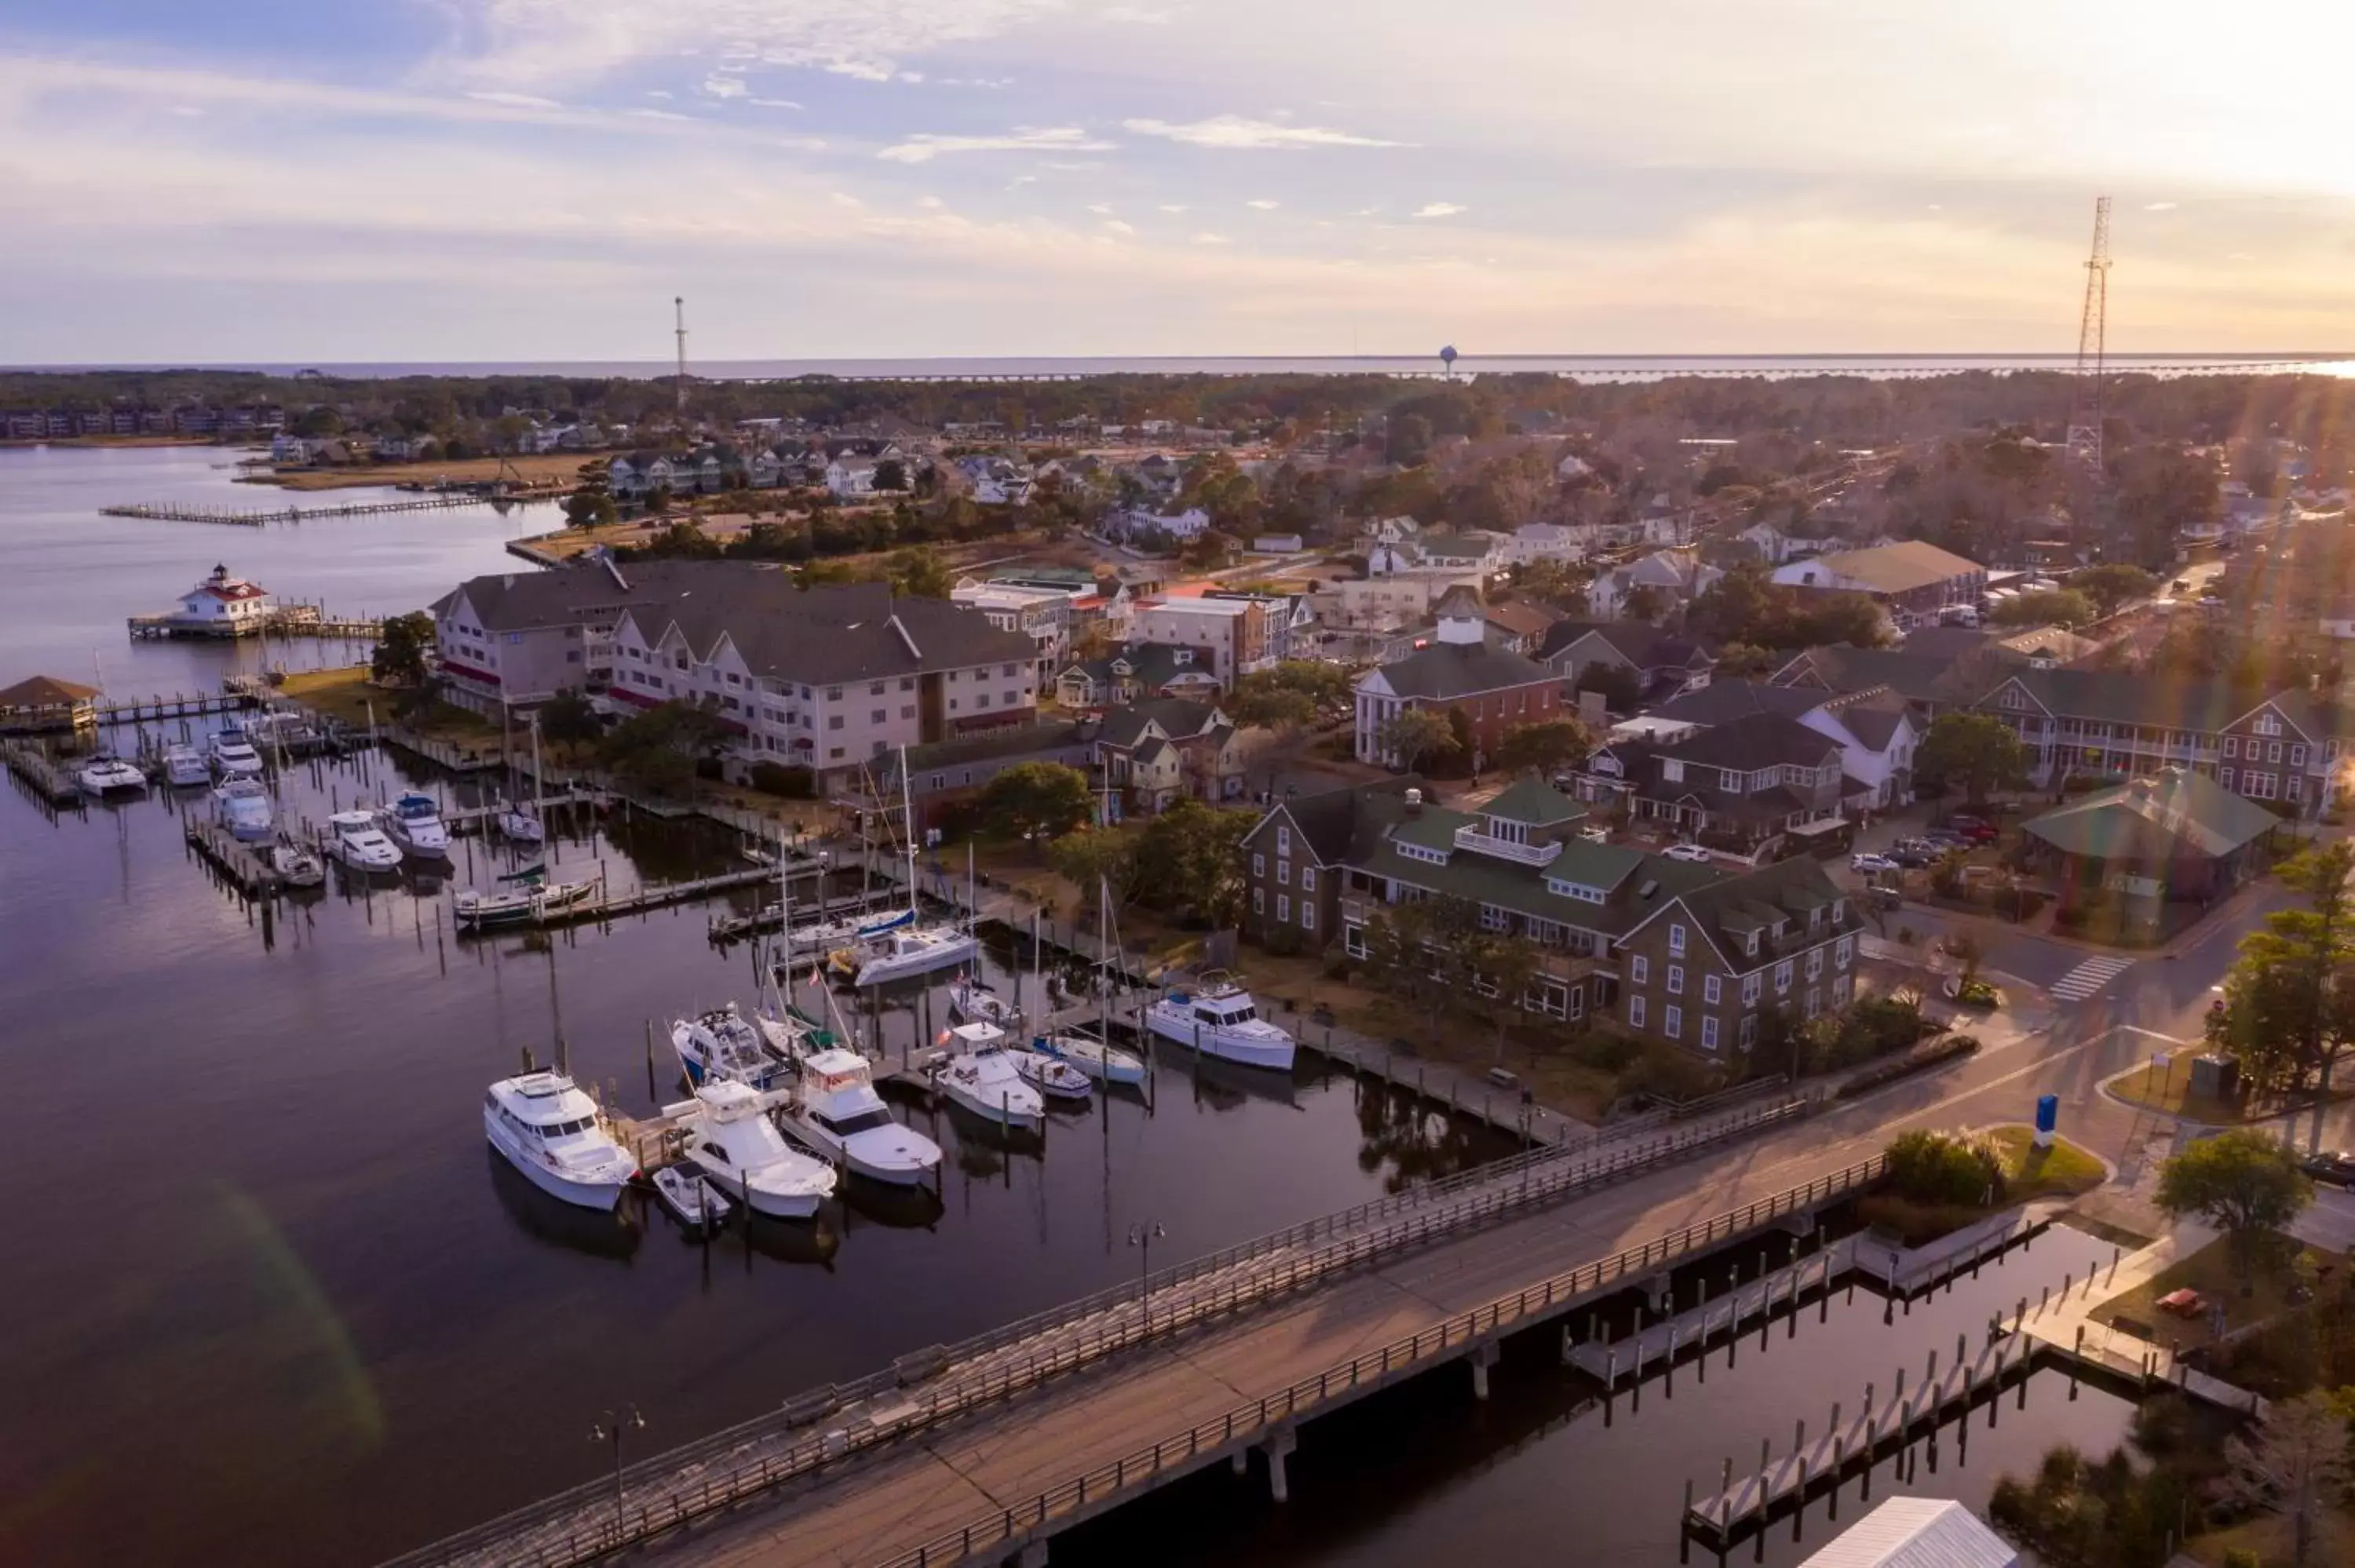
{"x":1494,"y":689}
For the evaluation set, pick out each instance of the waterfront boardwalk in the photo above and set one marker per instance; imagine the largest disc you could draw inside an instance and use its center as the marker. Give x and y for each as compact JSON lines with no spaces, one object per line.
{"x":259,"y":517}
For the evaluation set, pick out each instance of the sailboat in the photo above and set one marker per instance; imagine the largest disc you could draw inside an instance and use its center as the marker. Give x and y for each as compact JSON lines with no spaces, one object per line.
{"x":904,"y":947}
{"x":1097,"y":1058}
{"x":533,"y":898}
{"x":521,"y":826}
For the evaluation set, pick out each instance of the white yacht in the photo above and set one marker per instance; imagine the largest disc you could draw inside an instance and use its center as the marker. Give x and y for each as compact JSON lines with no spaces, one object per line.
{"x":981,"y":1076}
{"x":296,"y":867}
{"x":531,"y":900}
{"x":105,"y":773}
{"x":837,"y":1113}
{"x":1093,"y":1057}
{"x":521,"y":825}
{"x":910,"y":949}
{"x":233,"y":757}
{"x":973,"y":1001}
{"x":243,"y":806}
{"x":414,"y":823}
{"x":1051,"y":1076}
{"x":1219,"y":1019}
{"x":554,"y":1134}
{"x":722,"y":1046}
{"x":729,"y":1139}
{"x":692,"y":1201}
{"x":184,"y":767}
{"x":354,"y":841}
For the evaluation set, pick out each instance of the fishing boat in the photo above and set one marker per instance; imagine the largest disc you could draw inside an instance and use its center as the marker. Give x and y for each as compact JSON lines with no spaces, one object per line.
{"x":981,"y":1076}
{"x":233,"y":757}
{"x":414,"y":823}
{"x":723,"y":1045}
{"x":972,"y":1001}
{"x":104,"y":774}
{"x":837,"y":1113}
{"x":354,"y":840}
{"x":554,"y":1134}
{"x":184,"y":767}
{"x":730,"y":1140}
{"x":1051,"y":1076}
{"x":243,"y":806}
{"x":1093,"y":1057}
{"x":296,"y":867}
{"x":692,"y":1201}
{"x":533,"y":899}
{"x":1218,"y":1018}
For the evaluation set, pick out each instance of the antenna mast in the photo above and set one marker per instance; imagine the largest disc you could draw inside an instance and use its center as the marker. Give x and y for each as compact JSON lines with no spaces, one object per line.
{"x":2085,"y":443}
{"x":678,"y":306}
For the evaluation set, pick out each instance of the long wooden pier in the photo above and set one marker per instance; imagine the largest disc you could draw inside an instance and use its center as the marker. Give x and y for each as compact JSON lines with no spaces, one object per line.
{"x":290,"y":621}
{"x":640,"y":900}
{"x":261,"y":516}
{"x":39,"y":773}
{"x":245,"y":870}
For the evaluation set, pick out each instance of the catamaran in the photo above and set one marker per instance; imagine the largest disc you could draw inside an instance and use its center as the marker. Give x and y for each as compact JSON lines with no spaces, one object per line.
{"x":1220,"y":1020}
{"x":105,"y":773}
{"x":835,"y":1112}
{"x":355,"y":841}
{"x":556,"y":1136}
{"x":982,"y":1077}
{"x":184,"y":767}
{"x":414,"y":823}
{"x":243,"y":806}
{"x":722,"y":1044}
{"x":730,"y":1140}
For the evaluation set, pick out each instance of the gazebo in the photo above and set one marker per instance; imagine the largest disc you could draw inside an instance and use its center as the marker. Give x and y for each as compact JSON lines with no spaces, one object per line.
{"x":45,"y":704}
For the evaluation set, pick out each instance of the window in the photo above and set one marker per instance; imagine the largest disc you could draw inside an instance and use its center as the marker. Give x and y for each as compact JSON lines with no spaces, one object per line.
{"x":1283,"y":839}
{"x":2231,"y":746}
{"x":1307,"y":916}
{"x":1283,"y":872}
{"x":1708,"y":1033}
{"x":1711,"y":990}
{"x":1282,"y":906}
{"x":2297,"y":757}
{"x":876,"y":715}
{"x":1353,"y":939}
{"x":1677,"y":940}
{"x":834,"y":693}
{"x":1495,"y":919}
{"x":907,"y":710}
{"x":1750,"y":947}
{"x":1640,"y":968}
{"x":834,"y":754}
{"x":1814,"y":1002}
{"x":1782,"y":977}
{"x":876,"y":690}
{"x":1750,"y":984}
{"x":1006,"y":699}
{"x":2273,"y":752}
{"x":1308,"y":879}
{"x":1258,"y":900}
{"x":1008,"y":670}
{"x":1673,"y":1025}
{"x":1675,"y":980}
{"x":2268,"y":723}
{"x":1749,"y":1034}
{"x":1844,"y":952}
{"x":1259,"y":865}
{"x":1635,"y":1012}
{"x":982,"y":701}
{"x":2224,"y":777}
{"x":1815,"y":963}
{"x":835,"y":722}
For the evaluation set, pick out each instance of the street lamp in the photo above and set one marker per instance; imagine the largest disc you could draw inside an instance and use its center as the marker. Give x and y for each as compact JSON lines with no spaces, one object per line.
{"x":1142,"y":1237}
{"x":611,"y":1430}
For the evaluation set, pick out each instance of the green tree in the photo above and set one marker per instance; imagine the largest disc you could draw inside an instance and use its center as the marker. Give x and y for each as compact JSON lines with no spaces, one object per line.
{"x":2294,"y":1464}
{"x":1190,"y":859}
{"x":1545,"y":747}
{"x":569,"y":719}
{"x":1259,"y":703}
{"x":2114,"y":585}
{"x":919,"y":572}
{"x":1095,"y":857}
{"x":2290,"y":1003}
{"x":1622,"y":688}
{"x":2051,"y":607}
{"x":1927,"y":1167}
{"x":2086,"y":1513}
{"x":2242,"y":1182}
{"x":1412,"y":734}
{"x":890,"y":474}
{"x":1036,"y":802}
{"x":401,"y":649}
{"x":1977,"y":751}
{"x":658,"y":750}
{"x":1557,"y":582}
{"x":1642,"y":603}
{"x":1504,"y":967}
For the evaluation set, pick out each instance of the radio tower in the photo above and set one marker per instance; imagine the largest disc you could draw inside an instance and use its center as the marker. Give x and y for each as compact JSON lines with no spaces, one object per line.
{"x":678,"y":306}
{"x":2084,"y":444}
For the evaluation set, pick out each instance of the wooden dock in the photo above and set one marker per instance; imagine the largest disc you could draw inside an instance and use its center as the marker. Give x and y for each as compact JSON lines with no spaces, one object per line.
{"x":608,"y":907}
{"x":178,"y":705}
{"x":38,"y":773}
{"x":240,"y":863}
{"x":261,"y":516}
{"x":475,"y":819}
{"x":289,"y":620}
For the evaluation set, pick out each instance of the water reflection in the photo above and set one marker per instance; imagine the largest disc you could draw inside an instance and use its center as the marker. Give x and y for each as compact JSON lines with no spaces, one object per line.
{"x":613,"y":1235}
{"x":900,"y":1208}
{"x":1408,"y":1140}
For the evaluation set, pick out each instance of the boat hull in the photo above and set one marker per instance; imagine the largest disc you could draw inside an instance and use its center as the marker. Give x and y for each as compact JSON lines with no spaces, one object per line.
{"x":1107,"y":1066}
{"x":899,"y":966}
{"x":1023,"y":1113}
{"x":604,"y":1195}
{"x":1250,"y":1051}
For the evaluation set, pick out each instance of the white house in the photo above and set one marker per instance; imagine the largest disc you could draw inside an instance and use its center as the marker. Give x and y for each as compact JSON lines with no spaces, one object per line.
{"x":1677,"y":576}
{"x":224,"y":606}
{"x":848,"y":477}
{"x":1543,"y":542}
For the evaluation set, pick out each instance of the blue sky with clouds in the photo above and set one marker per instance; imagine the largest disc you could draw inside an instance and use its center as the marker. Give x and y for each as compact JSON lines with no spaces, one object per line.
{"x":500,"y":179}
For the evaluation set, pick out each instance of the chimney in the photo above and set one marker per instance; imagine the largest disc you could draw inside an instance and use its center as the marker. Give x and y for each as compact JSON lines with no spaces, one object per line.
{"x":1414,"y":802}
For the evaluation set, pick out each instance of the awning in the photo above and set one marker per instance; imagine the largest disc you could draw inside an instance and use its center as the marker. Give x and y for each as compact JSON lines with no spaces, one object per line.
{"x":1816,"y":829}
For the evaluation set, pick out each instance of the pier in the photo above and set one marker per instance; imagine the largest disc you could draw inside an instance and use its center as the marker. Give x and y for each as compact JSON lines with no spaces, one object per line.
{"x":262,"y":516}
{"x":38,"y":772}
{"x":238,"y":862}
{"x":290,"y":621}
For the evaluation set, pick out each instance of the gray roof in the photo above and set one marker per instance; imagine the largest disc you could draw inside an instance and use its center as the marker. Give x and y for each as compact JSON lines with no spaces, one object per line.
{"x":2117,"y":697}
{"x":1917,"y":1532}
{"x":1642,"y":644}
{"x":2165,"y":817}
{"x":1731,"y":908}
{"x":1447,"y":670}
{"x":1722,"y":702}
{"x":1758,"y":740}
{"x":833,"y":634}
{"x":1534,"y":802}
{"x":1180,"y":719}
{"x":1330,"y":818}
{"x":989,"y":745}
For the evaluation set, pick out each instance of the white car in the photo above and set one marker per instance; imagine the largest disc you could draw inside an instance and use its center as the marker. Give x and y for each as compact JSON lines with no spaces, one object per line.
{"x":1872,"y":863}
{"x":1686,"y":852}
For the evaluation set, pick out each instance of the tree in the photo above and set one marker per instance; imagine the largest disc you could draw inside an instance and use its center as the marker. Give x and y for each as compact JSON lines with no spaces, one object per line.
{"x":399,"y":656}
{"x":1944,"y":1168}
{"x":1642,"y":603}
{"x":1545,"y":747}
{"x":1037,"y":800}
{"x":2086,"y":1513}
{"x":890,"y":474}
{"x":1622,"y":688}
{"x":1257,"y":702}
{"x":1191,"y":859}
{"x":1504,"y":967}
{"x":2113,"y":585}
{"x":587,"y":508}
{"x":2244,"y":1183}
{"x":1557,"y":582}
{"x":2290,"y":1003}
{"x":1411,"y":734}
{"x":2051,"y":606}
{"x":919,"y":572}
{"x":659,"y":748}
{"x":2295,"y":1462}
{"x":1977,"y":751}
{"x":568,"y":717}
{"x":1093,"y":857}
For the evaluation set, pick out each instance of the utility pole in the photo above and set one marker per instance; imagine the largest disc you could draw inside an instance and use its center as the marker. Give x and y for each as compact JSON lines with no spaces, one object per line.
{"x":678,"y":306}
{"x":2084,"y":442}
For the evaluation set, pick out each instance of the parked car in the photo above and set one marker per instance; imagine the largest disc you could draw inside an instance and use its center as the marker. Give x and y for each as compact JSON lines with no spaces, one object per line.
{"x":1979,"y":830}
{"x":2336,"y":1167}
{"x":1940,"y":840}
{"x":1871,"y":864}
{"x":1912,"y":857}
{"x":1686,"y":852}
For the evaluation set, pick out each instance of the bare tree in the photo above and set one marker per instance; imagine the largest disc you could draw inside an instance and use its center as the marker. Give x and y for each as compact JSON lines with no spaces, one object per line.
{"x":2296,"y":1465}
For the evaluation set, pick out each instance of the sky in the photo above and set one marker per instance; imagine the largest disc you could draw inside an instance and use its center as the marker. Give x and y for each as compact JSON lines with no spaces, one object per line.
{"x":480,"y":180}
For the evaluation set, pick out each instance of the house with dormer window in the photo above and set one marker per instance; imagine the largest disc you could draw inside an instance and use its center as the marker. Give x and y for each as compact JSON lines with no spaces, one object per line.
{"x":1139,"y":671}
{"x":1161,"y":749}
{"x":1741,"y":787}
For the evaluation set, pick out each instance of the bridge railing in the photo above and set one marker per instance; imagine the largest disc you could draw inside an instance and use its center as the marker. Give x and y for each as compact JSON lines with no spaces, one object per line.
{"x":578,"y":1525}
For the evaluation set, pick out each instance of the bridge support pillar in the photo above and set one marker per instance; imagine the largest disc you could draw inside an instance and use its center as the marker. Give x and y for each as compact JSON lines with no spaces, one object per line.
{"x":1240,"y":1460}
{"x":1278,"y":1446}
{"x":1801,"y":1223}
{"x":1483,"y":1357}
{"x":1032,"y":1555}
{"x":1659,"y":1295}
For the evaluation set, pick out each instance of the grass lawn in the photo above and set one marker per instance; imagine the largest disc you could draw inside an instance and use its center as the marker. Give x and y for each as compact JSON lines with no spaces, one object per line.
{"x":532,"y":466}
{"x":2211,"y":1272}
{"x":2063,"y":1170}
{"x":2272,"y":1537}
{"x":2169,"y":1090}
{"x":347,"y":694}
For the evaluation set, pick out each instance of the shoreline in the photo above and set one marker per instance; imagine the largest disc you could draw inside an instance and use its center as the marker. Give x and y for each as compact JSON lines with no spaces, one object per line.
{"x":29,"y":443}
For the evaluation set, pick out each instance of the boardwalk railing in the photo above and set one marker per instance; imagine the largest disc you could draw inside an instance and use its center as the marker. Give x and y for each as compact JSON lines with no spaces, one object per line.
{"x":729,"y":1465}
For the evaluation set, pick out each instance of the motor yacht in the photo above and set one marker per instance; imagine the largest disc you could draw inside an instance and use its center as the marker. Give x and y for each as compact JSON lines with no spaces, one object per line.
{"x":105,"y":774}
{"x":243,"y":806}
{"x":730,"y":1140}
{"x":184,"y":767}
{"x":555,"y":1135}
{"x":722,"y":1045}
{"x":837,"y":1113}
{"x":981,"y":1076}
{"x":1093,"y":1057}
{"x":414,"y":823}
{"x":972,"y":1001}
{"x":233,"y":757}
{"x":355,"y":841}
{"x":1051,"y":1076}
{"x":1220,"y":1020}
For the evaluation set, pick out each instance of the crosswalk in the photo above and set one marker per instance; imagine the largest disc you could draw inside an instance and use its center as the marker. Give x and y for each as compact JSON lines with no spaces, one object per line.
{"x":2089,"y":978}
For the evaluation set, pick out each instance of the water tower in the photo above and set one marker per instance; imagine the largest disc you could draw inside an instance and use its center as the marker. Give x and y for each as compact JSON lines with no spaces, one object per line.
{"x":1447,"y":361}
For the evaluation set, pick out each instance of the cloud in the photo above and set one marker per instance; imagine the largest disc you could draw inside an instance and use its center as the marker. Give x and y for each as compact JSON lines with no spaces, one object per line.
{"x":1205,"y":237}
{"x":773,"y":104}
{"x":1235,"y":133}
{"x":1262,"y":204}
{"x":844,"y":198}
{"x":1115,"y":226}
{"x":720,"y":86}
{"x":656,"y":114}
{"x":2159,"y":207}
{"x":1367,"y":212}
{"x":931,"y":203}
{"x":1437,"y":209}
{"x":924,"y":146}
{"x":515,"y":100}
{"x":1100,"y":210}
{"x":1173,"y":206}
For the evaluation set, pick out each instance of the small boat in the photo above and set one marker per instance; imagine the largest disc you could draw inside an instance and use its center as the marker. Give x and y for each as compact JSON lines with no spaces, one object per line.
{"x":911,"y":951}
{"x":1220,"y":1020}
{"x":1093,"y":1057}
{"x":184,"y":767}
{"x":1051,"y":1076}
{"x":520,"y":826}
{"x":555,"y":1135}
{"x":973,"y":1001}
{"x":730,"y":1140}
{"x":233,"y":757}
{"x":521,"y":906}
{"x":692,"y":1201}
{"x":354,"y":841}
{"x":820,"y":936}
{"x":981,"y":1076}
{"x":837,"y":1113}
{"x":243,"y":806}
{"x":105,"y":773}
{"x":296,"y":867}
{"x":722,"y":1045}
{"x":414,"y":823}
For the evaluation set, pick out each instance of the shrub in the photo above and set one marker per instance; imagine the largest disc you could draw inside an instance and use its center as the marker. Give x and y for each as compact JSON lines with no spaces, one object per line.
{"x":1283,"y":941}
{"x":1978,"y":994}
{"x":2016,"y":903}
{"x":1951,"y":1048}
{"x":1337,"y":967}
{"x":1667,"y":1072}
{"x":1944,"y":1168}
{"x":786,"y":783}
{"x":1605,"y":1051}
